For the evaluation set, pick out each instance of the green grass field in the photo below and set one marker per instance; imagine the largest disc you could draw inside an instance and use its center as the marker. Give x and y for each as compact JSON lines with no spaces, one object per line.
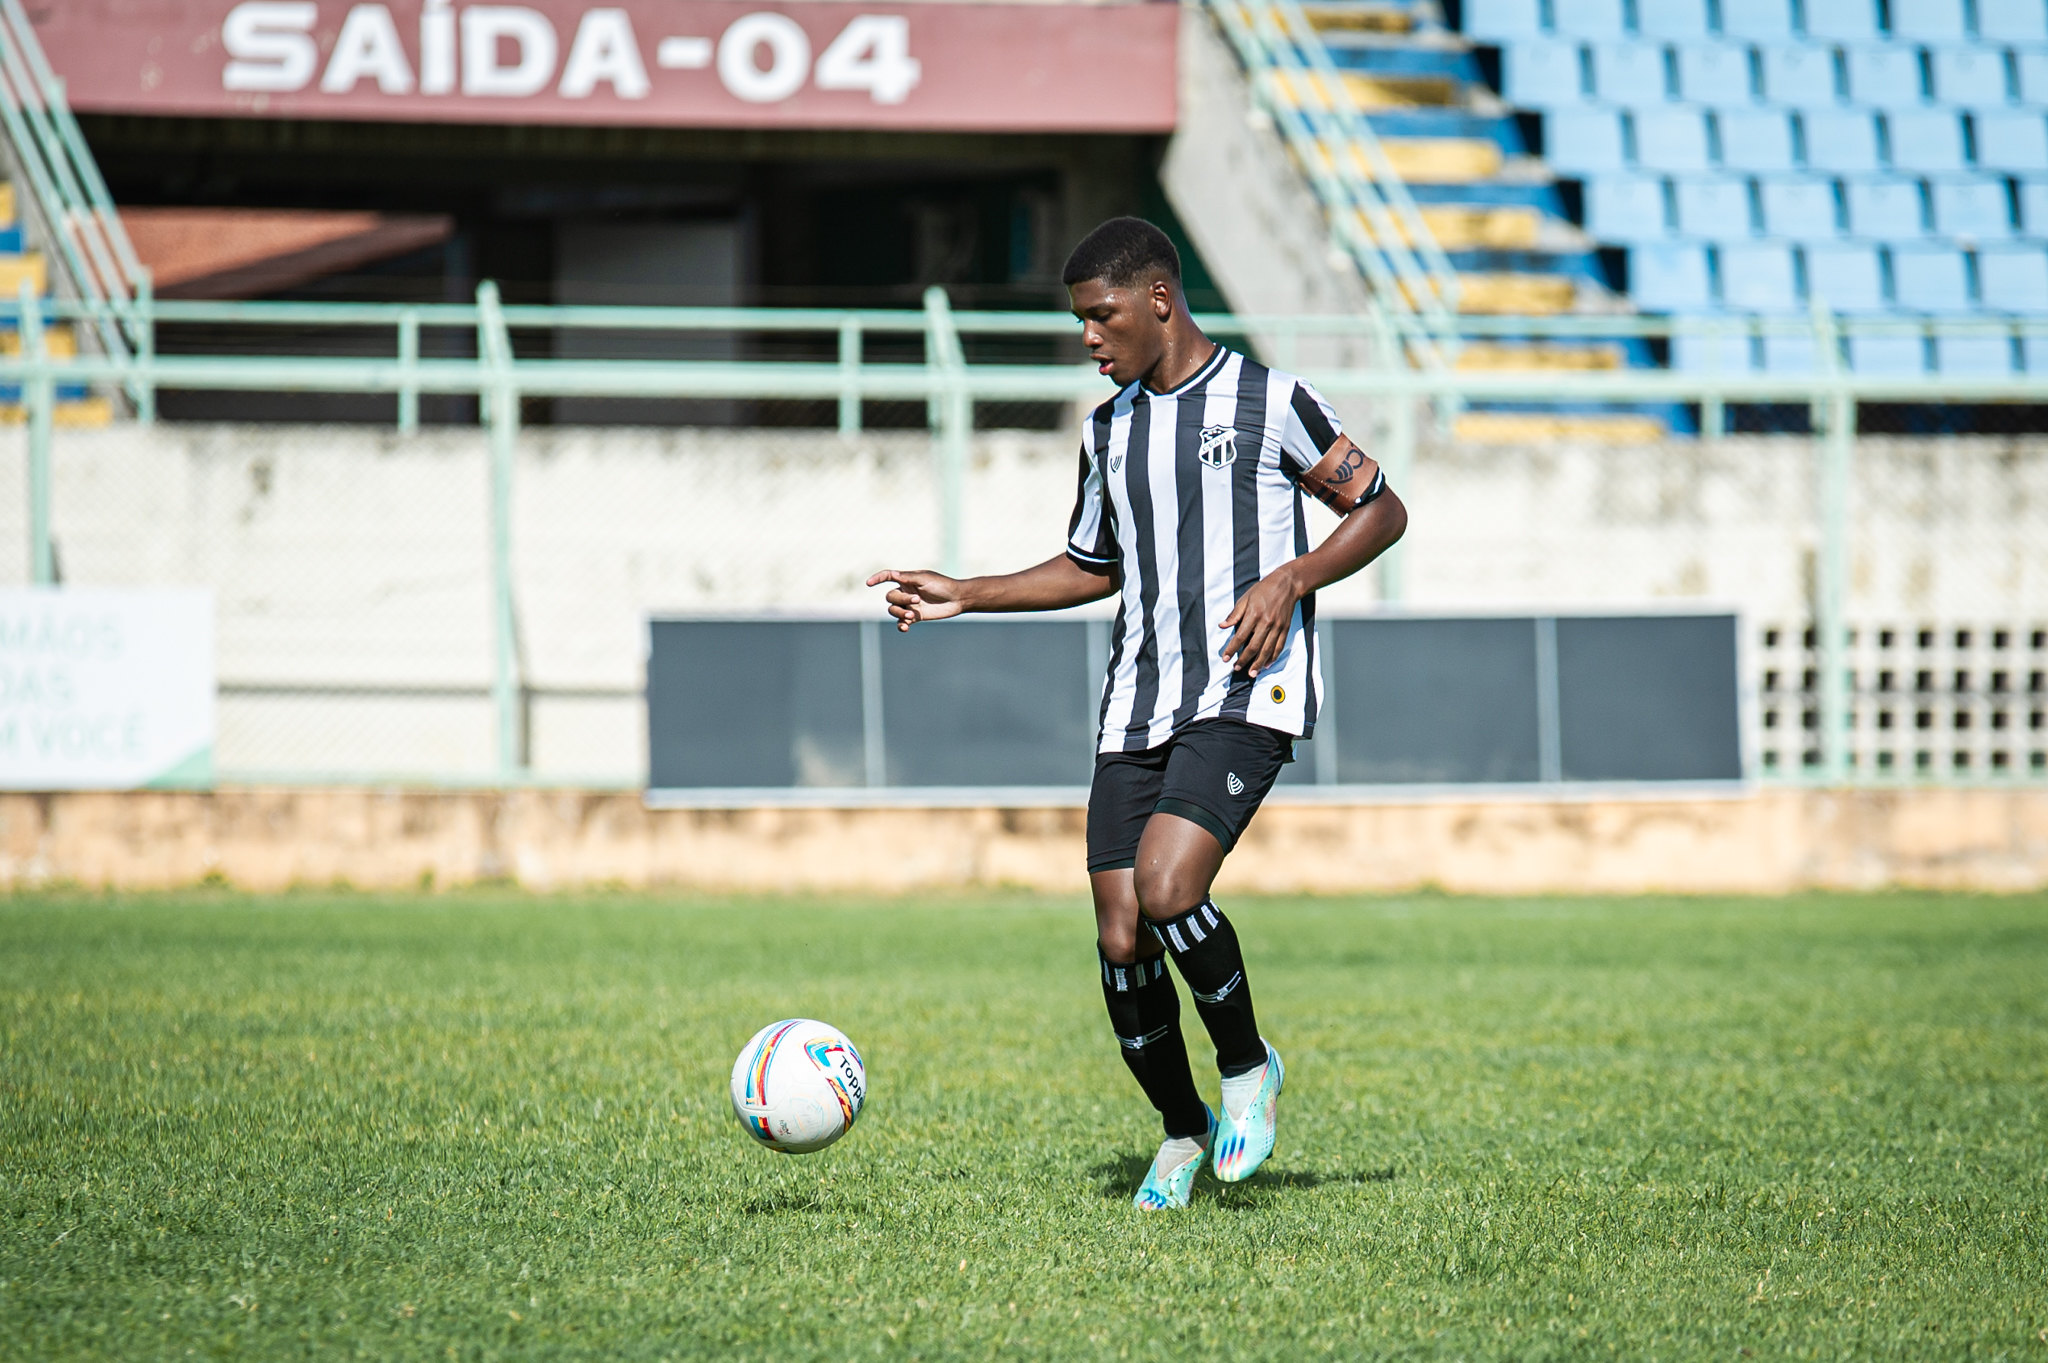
{"x":487,"y":1125}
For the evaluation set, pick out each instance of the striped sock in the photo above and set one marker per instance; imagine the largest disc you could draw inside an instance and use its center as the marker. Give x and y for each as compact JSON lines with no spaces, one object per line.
{"x":1204,"y":947}
{"x":1144,"y":1011}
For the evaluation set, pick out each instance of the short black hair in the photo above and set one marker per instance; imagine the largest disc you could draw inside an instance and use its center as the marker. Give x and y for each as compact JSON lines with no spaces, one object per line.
{"x":1123,"y":252}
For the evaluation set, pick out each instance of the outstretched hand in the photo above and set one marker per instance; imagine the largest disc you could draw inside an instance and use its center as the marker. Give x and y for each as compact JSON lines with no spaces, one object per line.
{"x":919,"y":594}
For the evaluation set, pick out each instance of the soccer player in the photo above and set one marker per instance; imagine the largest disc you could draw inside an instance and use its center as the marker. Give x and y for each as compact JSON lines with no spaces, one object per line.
{"x":1190,"y":511}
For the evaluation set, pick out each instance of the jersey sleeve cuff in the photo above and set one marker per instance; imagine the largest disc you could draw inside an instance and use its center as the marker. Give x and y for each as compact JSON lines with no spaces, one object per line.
{"x":1092,"y":562}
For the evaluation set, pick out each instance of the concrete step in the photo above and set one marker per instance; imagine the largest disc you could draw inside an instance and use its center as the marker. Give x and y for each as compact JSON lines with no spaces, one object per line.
{"x":1527,"y":428}
{"x":73,"y":412}
{"x":60,"y":340}
{"x":1527,"y":356}
{"x":29,"y":266}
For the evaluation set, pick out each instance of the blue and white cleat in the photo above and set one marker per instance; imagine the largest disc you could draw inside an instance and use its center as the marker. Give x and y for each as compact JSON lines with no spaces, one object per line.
{"x":1168,"y":1188}
{"x":1242,"y":1144}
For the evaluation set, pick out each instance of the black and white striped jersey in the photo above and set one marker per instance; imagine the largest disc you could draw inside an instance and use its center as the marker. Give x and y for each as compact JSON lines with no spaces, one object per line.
{"x":1193,"y":496}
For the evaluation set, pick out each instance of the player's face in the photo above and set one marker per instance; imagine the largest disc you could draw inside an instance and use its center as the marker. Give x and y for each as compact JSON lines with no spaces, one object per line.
{"x":1123,"y":328}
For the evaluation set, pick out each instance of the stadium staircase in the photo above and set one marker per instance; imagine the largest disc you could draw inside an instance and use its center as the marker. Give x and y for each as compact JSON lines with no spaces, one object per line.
{"x":1488,"y":206}
{"x":60,"y":236}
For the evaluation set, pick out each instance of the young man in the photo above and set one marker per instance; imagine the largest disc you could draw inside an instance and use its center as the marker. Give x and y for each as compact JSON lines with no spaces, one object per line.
{"x":1189,"y":507}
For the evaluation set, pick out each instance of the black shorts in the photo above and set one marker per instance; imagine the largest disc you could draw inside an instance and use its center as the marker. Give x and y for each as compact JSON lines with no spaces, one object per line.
{"x":1214,"y":772}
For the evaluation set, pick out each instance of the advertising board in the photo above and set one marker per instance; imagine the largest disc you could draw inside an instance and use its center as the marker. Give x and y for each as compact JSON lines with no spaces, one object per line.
{"x":677,"y":63}
{"x":105,"y":689}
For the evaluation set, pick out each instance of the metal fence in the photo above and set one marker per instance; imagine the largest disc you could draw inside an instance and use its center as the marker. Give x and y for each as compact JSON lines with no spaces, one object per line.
{"x":1940,"y":680}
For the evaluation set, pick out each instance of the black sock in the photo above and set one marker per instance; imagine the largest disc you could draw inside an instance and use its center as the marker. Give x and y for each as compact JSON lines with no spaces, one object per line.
{"x":1144,"y":1010}
{"x":1204,"y":946}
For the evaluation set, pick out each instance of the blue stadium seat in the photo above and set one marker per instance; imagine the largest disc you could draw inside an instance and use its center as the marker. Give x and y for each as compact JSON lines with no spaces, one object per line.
{"x":1625,"y":208}
{"x":1970,"y":77}
{"x":1755,"y":139}
{"x":2012,"y":21}
{"x":1840,"y":140}
{"x":1842,"y":21}
{"x":2032,"y":68}
{"x":1669,"y":278}
{"x":1987,"y":354}
{"x":1757,"y":20}
{"x":2034,"y":207}
{"x":1788,"y":353}
{"x":1685,"y":20}
{"x":2011,"y":141}
{"x":1583,"y":140}
{"x":1926,"y":140}
{"x":1930,"y":279}
{"x":1713,"y":210}
{"x":1671,"y":139}
{"x":1503,"y":18}
{"x":1902,"y":353}
{"x":1885,"y":77}
{"x":1799,"y":77}
{"x":1927,"y":21}
{"x":1800,"y":210}
{"x":1759,"y":277}
{"x":1845,"y":278}
{"x":2013,"y":279}
{"x":1541,"y":74}
{"x":1977,"y":209}
{"x":1596,"y":19}
{"x":1629,"y":73}
{"x":1714,"y":73}
{"x":1720,"y":353}
{"x":1885,"y":210}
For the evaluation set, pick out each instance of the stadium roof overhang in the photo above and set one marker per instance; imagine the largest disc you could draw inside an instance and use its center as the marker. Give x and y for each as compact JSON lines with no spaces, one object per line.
{"x":801,"y":64}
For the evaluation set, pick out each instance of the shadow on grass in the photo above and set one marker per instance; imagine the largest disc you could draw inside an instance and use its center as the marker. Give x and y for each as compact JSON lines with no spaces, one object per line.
{"x":1120,"y":1176}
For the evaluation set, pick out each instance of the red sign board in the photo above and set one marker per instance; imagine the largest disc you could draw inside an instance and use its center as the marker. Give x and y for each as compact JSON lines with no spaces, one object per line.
{"x":671,"y":63}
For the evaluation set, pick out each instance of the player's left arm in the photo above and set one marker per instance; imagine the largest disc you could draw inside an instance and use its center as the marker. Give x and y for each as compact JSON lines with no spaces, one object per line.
{"x":1350,"y":482}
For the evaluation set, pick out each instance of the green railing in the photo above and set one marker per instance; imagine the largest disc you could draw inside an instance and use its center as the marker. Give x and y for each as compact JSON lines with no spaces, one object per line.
{"x":64,"y":201}
{"x":1371,"y":216}
{"x":950,"y":383}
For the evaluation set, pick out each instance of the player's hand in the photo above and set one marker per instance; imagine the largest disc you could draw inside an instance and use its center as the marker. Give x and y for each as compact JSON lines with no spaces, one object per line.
{"x":919,"y":595}
{"x":1258,"y":624}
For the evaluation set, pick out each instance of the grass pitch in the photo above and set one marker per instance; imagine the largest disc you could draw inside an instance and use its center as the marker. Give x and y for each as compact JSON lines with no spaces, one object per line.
{"x":493,"y":1126}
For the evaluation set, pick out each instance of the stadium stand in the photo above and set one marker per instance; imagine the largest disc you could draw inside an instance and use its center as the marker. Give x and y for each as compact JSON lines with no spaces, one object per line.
{"x":19,"y":264}
{"x":1889,"y":161}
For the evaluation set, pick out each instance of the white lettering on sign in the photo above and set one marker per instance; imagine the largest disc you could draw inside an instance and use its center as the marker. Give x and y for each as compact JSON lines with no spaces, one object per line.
{"x":683,"y":54}
{"x":605,"y":50}
{"x":486,"y":29}
{"x":873,"y":54}
{"x":789,"y":57}
{"x":511,"y":51}
{"x":271,"y":43}
{"x":437,"y":48}
{"x":367,"y":46}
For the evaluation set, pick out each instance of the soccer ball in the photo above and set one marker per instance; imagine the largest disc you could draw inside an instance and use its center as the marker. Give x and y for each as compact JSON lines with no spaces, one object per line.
{"x":798,"y":1085}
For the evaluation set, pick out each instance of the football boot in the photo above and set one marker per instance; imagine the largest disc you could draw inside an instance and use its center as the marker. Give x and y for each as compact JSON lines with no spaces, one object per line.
{"x":1242,"y":1144}
{"x":1168,"y":1187}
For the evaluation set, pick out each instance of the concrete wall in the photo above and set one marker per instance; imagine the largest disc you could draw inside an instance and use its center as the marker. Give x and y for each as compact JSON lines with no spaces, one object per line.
{"x":346,"y":556}
{"x":1763,"y":842}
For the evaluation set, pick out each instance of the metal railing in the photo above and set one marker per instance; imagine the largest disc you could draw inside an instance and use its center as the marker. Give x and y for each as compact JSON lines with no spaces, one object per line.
{"x":65,"y":201}
{"x":949,"y":383}
{"x":1372,"y":217}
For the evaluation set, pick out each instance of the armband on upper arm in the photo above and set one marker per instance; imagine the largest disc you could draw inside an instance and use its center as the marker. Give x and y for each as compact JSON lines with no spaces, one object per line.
{"x":1346,"y":478}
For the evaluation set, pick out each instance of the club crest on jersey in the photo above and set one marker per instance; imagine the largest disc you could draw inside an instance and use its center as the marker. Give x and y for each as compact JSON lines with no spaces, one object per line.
{"x":1116,"y":462}
{"x":1219,"y":447}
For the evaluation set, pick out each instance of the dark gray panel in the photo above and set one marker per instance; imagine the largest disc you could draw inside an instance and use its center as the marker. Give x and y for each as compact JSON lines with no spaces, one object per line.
{"x":754,"y":703}
{"x":988,"y":703}
{"x":1434,"y":700}
{"x":1648,"y":698}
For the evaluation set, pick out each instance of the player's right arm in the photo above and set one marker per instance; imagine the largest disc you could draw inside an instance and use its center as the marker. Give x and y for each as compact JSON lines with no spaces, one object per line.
{"x":920,"y":594}
{"x":1085,"y":572}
